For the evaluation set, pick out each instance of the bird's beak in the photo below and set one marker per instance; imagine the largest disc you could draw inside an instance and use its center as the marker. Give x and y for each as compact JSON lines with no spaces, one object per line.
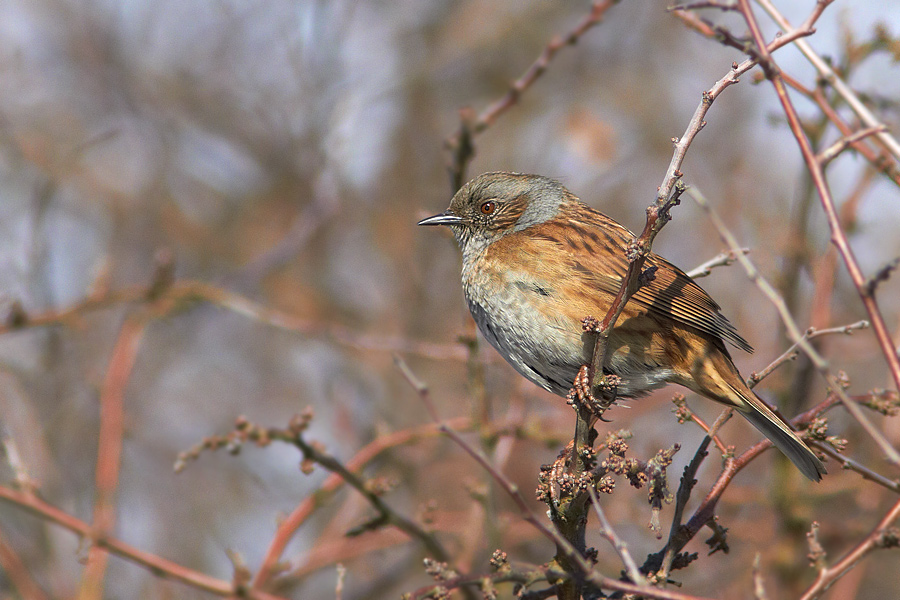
{"x":444,"y":218}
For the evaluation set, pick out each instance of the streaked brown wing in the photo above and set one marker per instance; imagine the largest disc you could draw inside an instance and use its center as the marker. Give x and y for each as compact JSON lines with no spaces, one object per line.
{"x":671,"y":293}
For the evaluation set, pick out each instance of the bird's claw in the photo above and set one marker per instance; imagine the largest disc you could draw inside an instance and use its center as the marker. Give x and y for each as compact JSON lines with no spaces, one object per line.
{"x":582,"y":394}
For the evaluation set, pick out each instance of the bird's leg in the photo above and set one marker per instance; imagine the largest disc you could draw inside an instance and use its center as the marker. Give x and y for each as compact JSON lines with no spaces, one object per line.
{"x":581,"y":396}
{"x":581,"y":387}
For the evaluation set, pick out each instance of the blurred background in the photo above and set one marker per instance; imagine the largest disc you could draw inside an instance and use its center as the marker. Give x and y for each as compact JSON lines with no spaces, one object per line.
{"x":284,"y":151}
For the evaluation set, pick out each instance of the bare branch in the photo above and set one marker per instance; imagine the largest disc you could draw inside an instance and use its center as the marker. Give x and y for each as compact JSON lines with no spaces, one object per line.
{"x":585,"y":568}
{"x":461,"y":143}
{"x":620,"y":547}
{"x":791,"y":353}
{"x":723,"y":259}
{"x":880,"y":537}
{"x":794,"y":332}
{"x":160,"y":567}
{"x":828,"y":74}
{"x":112,"y":427}
{"x":833,"y":151}
{"x":838,"y":235}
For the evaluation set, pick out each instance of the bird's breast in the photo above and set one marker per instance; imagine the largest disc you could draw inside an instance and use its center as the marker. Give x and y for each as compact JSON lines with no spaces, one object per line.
{"x":517,"y":312}
{"x":534,"y":322}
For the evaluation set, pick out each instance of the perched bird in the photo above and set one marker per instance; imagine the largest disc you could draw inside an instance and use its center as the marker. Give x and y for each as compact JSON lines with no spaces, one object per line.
{"x":537,"y":261}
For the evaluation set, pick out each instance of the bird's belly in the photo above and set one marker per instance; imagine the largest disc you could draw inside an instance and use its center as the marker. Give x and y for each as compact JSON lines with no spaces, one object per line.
{"x":548,"y":347}
{"x":547,"y":355}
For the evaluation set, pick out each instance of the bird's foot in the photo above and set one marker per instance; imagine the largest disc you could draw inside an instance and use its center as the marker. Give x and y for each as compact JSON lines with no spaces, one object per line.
{"x":581,"y":392}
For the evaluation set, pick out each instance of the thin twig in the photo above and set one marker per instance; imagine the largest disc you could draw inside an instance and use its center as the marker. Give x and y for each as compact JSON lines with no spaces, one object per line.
{"x":828,"y":74}
{"x":12,"y":565}
{"x":607,"y":531}
{"x":289,"y":526}
{"x":759,"y":590}
{"x":585,"y":568}
{"x":791,"y":353}
{"x":112,"y":426}
{"x":867,"y":473}
{"x":511,"y":488}
{"x":829,"y":154}
{"x":685,"y":488}
{"x":461,"y":143}
{"x":794,"y":332}
{"x":838,"y":235}
{"x":160,"y":567}
{"x":723,"y":259}
{"x":706,"y":510}
{"x":657,"y":214}
{"x":878,"y":538}
{"x":182,"y":294}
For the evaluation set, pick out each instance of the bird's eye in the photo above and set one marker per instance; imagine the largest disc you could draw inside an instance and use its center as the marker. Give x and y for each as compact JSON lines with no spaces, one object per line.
{"x":488,"y":207}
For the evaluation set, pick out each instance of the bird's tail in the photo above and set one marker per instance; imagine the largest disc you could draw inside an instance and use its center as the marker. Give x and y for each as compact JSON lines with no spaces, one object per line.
{"x":767,"y":422}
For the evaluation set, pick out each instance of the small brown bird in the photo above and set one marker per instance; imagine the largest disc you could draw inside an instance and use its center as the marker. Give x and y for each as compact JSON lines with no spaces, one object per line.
{"x":536,"y":261}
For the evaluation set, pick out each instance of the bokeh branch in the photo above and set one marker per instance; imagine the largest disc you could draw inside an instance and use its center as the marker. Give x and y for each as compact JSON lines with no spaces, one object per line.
{"x":461,"y":144}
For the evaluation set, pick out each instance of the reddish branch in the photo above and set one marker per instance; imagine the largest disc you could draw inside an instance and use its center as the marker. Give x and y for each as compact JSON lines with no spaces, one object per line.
{"x":838,"y":235}
{"x":22,"y":581}
{"x":880,"y":160}
{"x":585,"y":568}
{"x":160,"y":567}
{"x":793,"y":330}
{"x":880,"y":537}
{"x":657,"y":214}
{"x":180,"y":295}
{"x":112,"y":421}
{"x":706,"y":510}
{"x":289,"y":526}
{"x":827,"y":73}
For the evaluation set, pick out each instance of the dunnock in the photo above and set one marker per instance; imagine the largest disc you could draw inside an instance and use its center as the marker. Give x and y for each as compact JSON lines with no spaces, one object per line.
{"x":537,"y":261}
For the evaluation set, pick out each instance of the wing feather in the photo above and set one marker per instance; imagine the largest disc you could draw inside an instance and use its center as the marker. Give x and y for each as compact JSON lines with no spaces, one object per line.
{"x":671,"y":293}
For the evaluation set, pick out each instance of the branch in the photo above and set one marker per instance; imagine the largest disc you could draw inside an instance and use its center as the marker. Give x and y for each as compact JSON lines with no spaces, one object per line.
{"x":585,"y":568}
{"x":109,"y":453}
{"x":620,"y":547}
{"x":667,"y":196}
{"x":828,"y":74}
{"x":460,"y":143}
{"x":832,"y":152}
{"x":880,"y":162}
{"x":289,"y":526}
{"x":723,"y":259}
{"x":158,"y":566}
{"x":245,"y":431}
{"x":17,"y":573}
{"x":180,"y":295}
{"x":867,"y":473}
{"x":511,"y":488}
{"x":838,"y":235}
{"x":794,"y":332}
{"x":881,"y":537}
{"x":791,"y":353}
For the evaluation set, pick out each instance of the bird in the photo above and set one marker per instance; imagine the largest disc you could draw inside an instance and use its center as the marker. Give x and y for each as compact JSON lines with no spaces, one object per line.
{"x":536,"y":261}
